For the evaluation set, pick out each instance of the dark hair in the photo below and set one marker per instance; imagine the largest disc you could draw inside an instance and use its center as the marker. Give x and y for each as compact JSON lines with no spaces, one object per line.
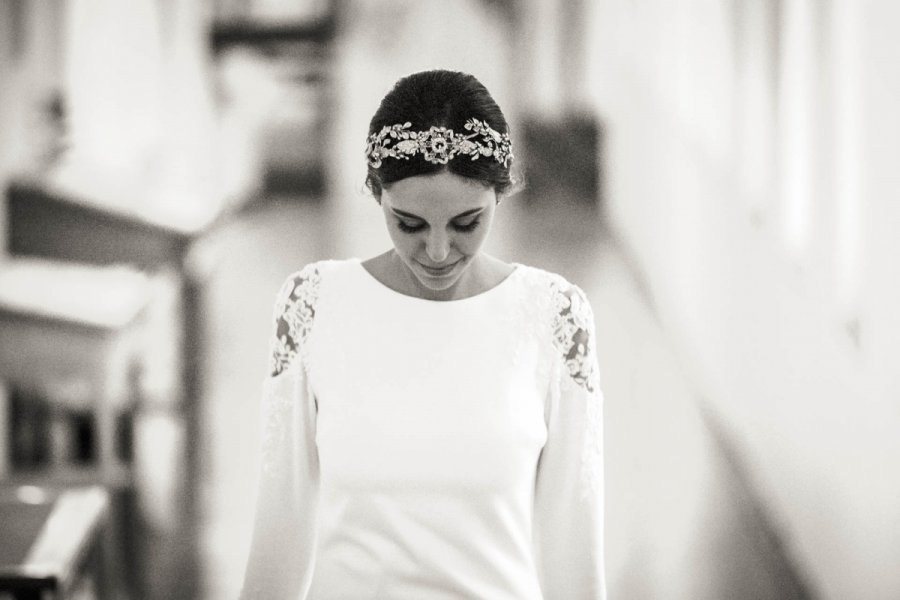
{"x":439,"y":99}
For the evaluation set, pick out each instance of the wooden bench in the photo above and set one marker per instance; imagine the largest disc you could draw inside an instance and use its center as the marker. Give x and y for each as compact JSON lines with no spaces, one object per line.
{"x":71,"y":336}
{"x":72,"y":341}
{"x":92,"y":219}
{"x":52,"y":543}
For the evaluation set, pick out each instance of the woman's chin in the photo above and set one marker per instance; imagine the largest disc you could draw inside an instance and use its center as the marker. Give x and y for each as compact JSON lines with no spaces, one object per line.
{"x":437,"y":284}
{"x":438,"y":279}
{"x":441,"y":285}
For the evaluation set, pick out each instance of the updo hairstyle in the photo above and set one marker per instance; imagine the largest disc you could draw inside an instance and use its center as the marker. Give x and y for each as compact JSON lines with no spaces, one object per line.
{"x":439,"y":99}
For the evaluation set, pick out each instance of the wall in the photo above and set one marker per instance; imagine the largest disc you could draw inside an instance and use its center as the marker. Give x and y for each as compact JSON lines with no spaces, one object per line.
{"x":30,"y":71}
{"x":141,"y":113}
{"x":751,"y":173}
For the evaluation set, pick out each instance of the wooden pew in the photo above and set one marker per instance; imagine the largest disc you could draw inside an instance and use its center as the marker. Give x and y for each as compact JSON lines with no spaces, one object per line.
{"x":53,"y":543}
{"x":122,"y":224}
{"x":71,"y":335}
{"x":72,"y":338}
{"x":53,"y":221}
{"x":114,"y":224}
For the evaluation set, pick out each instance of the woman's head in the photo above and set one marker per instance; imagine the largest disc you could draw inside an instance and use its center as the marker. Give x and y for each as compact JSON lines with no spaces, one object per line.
{"x":440,"y":99}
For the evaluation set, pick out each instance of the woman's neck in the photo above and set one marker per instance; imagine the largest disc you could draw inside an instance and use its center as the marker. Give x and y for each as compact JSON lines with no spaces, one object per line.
{"x":484,"y":273}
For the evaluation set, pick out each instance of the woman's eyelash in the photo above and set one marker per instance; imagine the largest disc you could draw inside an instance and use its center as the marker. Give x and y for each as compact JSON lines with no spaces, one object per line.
{"x":409,"y":228}
{"x":468,"y":227}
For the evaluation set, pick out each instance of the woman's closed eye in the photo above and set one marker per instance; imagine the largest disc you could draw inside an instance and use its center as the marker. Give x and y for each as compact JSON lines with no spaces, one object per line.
{"x":467,"y":227}
{"x":410,"y":227}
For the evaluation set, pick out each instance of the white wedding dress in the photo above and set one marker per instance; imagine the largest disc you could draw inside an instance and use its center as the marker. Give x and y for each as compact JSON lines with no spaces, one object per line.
{"x":419,"y":450}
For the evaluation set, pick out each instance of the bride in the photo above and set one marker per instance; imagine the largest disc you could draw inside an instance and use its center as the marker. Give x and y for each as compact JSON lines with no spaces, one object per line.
{"x":432,"y":415}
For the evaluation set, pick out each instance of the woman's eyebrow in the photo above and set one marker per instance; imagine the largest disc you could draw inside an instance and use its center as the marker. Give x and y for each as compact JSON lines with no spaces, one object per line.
{"x":403,"y":213}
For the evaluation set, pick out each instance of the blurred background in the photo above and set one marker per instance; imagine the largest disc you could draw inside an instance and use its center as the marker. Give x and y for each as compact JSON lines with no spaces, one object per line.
{"x":720,"y":176}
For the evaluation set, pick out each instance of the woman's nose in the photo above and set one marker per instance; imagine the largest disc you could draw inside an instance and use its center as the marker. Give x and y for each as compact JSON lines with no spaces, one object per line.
{"x":437,"y":246}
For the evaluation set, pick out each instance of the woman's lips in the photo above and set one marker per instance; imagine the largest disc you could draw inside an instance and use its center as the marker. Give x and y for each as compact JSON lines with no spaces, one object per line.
{"x":439,"y":272}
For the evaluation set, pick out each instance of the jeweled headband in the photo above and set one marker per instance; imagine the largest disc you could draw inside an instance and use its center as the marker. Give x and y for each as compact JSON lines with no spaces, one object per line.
{"x":438,"y":145}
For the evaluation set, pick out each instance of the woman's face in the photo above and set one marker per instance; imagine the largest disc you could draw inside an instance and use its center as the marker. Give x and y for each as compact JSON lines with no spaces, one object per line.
{"x":438,"y":224}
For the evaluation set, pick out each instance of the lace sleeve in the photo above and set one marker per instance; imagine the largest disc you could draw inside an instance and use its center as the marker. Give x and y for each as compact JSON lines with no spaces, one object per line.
{"x":568,"y":499}
{"x":573,"y":334}
{"x":295,"y":309}
{"x":282,"y":547}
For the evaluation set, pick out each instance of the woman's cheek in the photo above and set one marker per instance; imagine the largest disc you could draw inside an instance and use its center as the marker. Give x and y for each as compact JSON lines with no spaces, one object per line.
{"x":477,"y":238}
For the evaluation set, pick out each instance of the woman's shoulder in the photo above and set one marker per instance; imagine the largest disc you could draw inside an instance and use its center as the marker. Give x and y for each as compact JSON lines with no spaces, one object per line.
{"x":566,"y":310}
{"x":296,"y":306}
{"x":311,"y":274}
{"x":551,"y":283}
{"x":561,"y":303}
{"x":301,"y":290}
{"x":319,"y":268}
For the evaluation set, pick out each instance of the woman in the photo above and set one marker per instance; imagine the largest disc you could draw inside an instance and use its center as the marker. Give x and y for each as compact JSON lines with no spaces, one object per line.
{"x":433,"y":415}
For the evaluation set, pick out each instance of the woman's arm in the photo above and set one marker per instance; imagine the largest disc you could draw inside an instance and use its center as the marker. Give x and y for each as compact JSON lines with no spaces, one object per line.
{"x":282,"y":547}
{"x":568,"y":508}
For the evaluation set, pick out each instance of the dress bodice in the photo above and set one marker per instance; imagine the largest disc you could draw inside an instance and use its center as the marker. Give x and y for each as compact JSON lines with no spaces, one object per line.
{"x":439,"y":439}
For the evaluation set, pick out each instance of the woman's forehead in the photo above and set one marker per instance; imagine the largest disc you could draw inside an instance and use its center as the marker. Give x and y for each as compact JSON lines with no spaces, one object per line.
{"x":443,"y":195}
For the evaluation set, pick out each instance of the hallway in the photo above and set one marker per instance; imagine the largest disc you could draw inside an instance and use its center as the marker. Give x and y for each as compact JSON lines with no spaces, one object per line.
{"x":740,"y":264}
{"x":672,"y":501}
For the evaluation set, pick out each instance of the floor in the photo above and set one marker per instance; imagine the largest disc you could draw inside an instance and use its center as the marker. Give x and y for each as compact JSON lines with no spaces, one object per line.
{"x":679,"y":522}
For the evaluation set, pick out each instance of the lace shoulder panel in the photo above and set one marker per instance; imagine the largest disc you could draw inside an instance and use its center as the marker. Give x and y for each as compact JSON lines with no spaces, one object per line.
{"x":573,"y":333}
{"x":295,"y":309}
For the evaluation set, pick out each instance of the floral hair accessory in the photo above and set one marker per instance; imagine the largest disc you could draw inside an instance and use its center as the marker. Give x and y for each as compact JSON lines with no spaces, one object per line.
{"x":438,"y":145}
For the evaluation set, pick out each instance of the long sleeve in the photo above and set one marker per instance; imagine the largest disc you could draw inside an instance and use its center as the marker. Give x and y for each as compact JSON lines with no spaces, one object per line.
{"x":282,"y":547}
{"x":568,"y":505}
